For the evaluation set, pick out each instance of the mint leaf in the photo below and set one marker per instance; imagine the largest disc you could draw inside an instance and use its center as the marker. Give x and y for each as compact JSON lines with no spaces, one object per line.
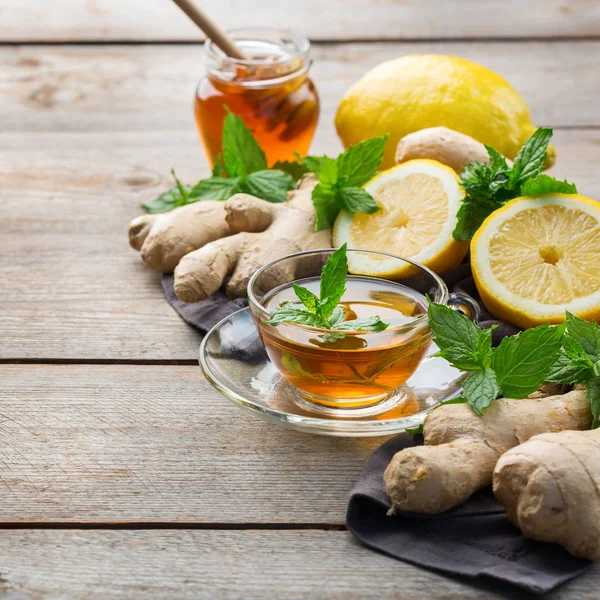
{"x":530,"y":159}
{"x":219,"y":168}
{"x":307,"y":298}
{"x":292,"y":365}
{"x":587,"y":334}
{"x":543,"y":184}
{"x":415,"y":431}
{"x":295,"y":169}
{"x":241,"y":153}
{"x":593,"y":395}
{"x":325,"y":205}
{"x":480,"y":389}
{"x":333,"y":281}
{"x":358,"y":164}
{"x":522,"y":362}
{"x":364,"y":324}
{"x":356,"y":200}
{"x":178,"y":195}
{"x":312,"y":163}
{"x":294,"y":313}
{"x":216,"y":188}
{"x":269,"y":185}
{"x":337,"y":316}
{"x":497,"y":161}
{"x":569,"y":371}
{"x":459,"y":338}
{"x":470,"y":216}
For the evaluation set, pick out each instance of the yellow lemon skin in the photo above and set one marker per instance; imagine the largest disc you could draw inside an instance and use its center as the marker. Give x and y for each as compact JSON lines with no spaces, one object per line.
{"x":410,"y":93}
{"x":500,"y":308}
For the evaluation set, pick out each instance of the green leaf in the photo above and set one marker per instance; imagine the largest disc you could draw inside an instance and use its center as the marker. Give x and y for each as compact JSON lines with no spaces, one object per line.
{"x":311,"y":163}
{"x":241,"y":153}
{"x":593,"y":395}
{"x":216,"y":188}
{"x":522,"y":362}
{"x":480,"y":389}
{"x":307,"y":298}
{"x":358,"y":164}
{"x":569,"y":371}
{"x":470,"y":216}
{"x":294,"y":313}
{"x":497,"y":161}
{"x":178,"y":195}
{"x":416,"y":431}
{"x":325,"y":205}
{"x":295,"y":169}
{"x":168,"y":200}
{"x":364,"y":324}
{"x":219,"y":168}
{"x":333,"y":281}
{"x":269,"y":185}
{"x":530,"y":159}
{"x":587,"y":334}
{"x":458,"y":338}
{"x":292,"y":365}
{"x":543,"y":184}
{"x":356,"y":200}
{"x":337,"y":316}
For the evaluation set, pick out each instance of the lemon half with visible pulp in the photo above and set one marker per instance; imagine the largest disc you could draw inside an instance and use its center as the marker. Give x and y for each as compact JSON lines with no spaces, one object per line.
{"x":539,"y":256}
{"x":418,"y":202}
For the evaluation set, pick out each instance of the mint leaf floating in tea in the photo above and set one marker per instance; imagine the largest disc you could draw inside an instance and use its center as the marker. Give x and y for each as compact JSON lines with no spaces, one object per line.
{"x":489,"y":187}
{"x":324,"y":312}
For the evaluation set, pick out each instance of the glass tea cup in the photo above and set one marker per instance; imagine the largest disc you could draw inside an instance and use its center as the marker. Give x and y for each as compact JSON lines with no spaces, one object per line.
{"x":357,"y":369}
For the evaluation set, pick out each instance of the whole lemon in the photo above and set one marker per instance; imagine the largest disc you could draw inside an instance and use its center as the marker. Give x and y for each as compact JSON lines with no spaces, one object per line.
{"x":411,"y":93}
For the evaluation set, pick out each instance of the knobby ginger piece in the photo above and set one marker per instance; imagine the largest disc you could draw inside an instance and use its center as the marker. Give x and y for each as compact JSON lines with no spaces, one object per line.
{"x":550,"y":488}
{"x":447,"y":146}
{"x":262,"y":232}
{"x":461,"y":448}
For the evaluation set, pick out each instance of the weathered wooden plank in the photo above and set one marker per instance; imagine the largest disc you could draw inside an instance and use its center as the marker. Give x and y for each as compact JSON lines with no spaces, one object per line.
{"x":229,"y":564}
{"x":151,"y":87}
{"x":71,"y":287}
{"x":151,"y":20}
{"x":122,"y":443}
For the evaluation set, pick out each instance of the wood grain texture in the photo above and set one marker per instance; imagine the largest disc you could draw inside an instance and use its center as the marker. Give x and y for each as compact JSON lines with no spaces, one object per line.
{"x":71,"y":286}
{"x":150,"y":88}
{"x":154,"y":20}
{"x":103,"y":444}
{"x":230,"y":564}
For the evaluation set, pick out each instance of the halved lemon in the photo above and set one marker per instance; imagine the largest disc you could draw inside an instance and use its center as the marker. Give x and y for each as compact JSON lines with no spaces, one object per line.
{"x":418,"y":203}
{"x":539,"y":256}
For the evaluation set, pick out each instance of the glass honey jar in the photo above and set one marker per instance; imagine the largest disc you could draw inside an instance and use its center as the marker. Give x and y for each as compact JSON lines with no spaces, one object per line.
{"x":270,"y":90}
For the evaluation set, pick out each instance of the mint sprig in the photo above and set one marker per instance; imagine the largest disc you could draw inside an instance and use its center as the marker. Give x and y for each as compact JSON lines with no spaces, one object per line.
{"x":579,"y":361}
{"x":241,"y":167}
{"x":488,"y":187}
{"x":324,"y":311}
{"x":341,"y":180}
{"x":515,"y":369}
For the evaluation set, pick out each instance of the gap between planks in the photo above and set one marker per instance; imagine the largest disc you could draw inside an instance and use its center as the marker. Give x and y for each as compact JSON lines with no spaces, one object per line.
{"x":192,"y":42}
{"x":149,"y":525}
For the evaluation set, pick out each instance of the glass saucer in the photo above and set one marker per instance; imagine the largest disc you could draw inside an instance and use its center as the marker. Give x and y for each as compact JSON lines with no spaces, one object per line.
{"x":234,"y":361}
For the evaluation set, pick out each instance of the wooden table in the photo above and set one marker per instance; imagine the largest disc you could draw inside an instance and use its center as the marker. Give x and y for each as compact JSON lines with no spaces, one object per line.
{"x":122,"y":472}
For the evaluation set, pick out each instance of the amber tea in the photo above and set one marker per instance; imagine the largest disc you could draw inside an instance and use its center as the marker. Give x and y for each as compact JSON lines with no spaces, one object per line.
{"x":356,"y":369}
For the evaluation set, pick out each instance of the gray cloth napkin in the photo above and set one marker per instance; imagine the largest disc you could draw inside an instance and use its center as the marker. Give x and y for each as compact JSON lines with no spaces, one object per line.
{"x":474,"y":539}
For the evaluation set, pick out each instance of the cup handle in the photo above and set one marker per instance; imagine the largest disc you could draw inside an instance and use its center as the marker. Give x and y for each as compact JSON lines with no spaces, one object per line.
{"x":463,"y":303}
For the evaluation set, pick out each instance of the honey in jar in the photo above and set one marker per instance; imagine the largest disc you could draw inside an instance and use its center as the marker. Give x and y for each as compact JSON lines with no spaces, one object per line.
{"x":270,"y":90}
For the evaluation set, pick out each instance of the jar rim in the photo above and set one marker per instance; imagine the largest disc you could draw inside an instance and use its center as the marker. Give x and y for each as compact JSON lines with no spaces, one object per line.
{"x":272,"y":35}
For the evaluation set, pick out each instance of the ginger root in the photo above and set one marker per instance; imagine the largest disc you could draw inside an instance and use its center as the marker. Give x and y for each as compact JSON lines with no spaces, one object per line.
{"x":262,"y":232}
{"x":461,"y":449}
{"x":208,"y":241}
{"x":550,"y":488}
{"x":164,"y":239}
{"x":447,"y":146}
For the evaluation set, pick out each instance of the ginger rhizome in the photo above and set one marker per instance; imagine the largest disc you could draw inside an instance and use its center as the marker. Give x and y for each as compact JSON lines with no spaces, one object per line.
{"x":461,"y":448}
{"x":550,"y":488}
{"x":210,"y":241}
